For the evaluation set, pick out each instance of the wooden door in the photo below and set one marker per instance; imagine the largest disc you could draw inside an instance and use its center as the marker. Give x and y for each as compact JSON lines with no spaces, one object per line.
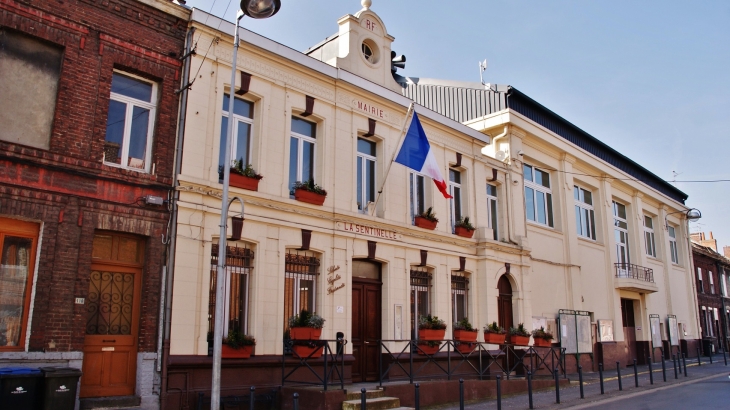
{"x":504,"y":303}
{"x":629,"y":324}
{"x":366,"y":329}
{"x":112,"y":321}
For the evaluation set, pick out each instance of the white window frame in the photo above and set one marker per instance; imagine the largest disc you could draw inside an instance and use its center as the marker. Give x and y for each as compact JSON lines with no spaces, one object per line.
{"x":541,"y":189}
{"x":454,"y":292}
{"x":649,"y":241}
{"x":227,"y":299}
{"x":723,"y":287}
{"x":493,"y":211}
{"x":617,"y":220}
{"x":673,"y":250}
{"x":415,"y":290}
{"x":584,"y":213}
{"x":236,"y":120}
{"x":699,"y":277}
{"x":453,"y":188}
{"x":413,"y":182}
{"x":712,"y":282}
{"x":364,"y":175}
{"x":301,"y":138}
{"x":131,"y":103}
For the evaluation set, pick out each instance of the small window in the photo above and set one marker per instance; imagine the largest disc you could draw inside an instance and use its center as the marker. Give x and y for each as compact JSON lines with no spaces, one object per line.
{"x":673,"y":245}
{"x":130,"y":122}
{"x":584,"y":213}
{"x":700,"y":286}
{"x":493,"y":210}
{"x":242,"y":132}
{"x":712,"y":282}
{"x":301,"y":151}
{"x":366,"y":163}
{"x":417,"y":189}
{"x":420,"y":296}
{"x":538,"y":196}
{"x":455,"y":192}
{"x":459,"y":296}
{"x":649,"y":244}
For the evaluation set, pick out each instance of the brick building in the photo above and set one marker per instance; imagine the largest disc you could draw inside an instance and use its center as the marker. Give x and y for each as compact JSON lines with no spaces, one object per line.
{"x":88,"y":120}
{"x":713,"y":304}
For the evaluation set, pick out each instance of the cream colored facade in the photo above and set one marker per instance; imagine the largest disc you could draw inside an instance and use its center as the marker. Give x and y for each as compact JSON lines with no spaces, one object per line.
{"x":548,"y":268}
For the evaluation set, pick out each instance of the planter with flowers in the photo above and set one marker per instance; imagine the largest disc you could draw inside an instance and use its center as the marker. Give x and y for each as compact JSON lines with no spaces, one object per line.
{"x":542,"y":338}
{"x":431,"y":328}
{"x":309,"y":192}
{"x":306,"y":326}
{"x":244,"y":177}
{"x":519,"y":336}
{"x":307,"y":349}
{"x":464,"y":332}
{"x":237,"y":345}
{"x":428,"y":348}
{"x":463,"y":227}
{"x":426,"y":220}
{"x":495,"y":334}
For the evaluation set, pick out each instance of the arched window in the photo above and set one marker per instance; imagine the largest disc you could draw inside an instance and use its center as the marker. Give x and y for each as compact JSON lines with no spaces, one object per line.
{"x":504,"y":302}
{"x":239,"y":266}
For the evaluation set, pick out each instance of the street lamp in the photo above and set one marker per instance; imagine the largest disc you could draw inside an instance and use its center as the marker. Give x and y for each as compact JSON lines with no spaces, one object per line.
{"x":258,"y":9}
{"x":692,"y":214}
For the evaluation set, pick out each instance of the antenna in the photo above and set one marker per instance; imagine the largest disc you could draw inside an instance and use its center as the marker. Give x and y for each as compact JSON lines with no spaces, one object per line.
{"x":482,"y":69}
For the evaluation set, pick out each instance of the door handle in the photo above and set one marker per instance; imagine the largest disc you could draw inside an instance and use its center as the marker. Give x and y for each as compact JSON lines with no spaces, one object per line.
{"x":108,"y":341}
{"x":367,"y":343}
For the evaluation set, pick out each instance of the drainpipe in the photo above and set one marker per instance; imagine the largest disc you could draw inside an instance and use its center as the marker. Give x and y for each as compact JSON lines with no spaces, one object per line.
{"x":163,"y":349}
{"x":508,"y":184}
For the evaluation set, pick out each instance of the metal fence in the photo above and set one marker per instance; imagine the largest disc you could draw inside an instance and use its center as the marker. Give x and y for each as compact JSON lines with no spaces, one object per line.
{"x":631,"y":271}
{"x":308,"y":359}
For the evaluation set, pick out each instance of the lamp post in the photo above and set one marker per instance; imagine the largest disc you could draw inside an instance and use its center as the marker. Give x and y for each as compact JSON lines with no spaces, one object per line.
{"x":258,"y":9}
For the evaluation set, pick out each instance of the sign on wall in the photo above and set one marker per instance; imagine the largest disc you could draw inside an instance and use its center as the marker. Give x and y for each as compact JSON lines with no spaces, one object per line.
{"x":369,"y":231}
{"x":673,"y":330}
{"x":656,"y":333}
{"x":575,"y":331}
{"x":605,"y":330}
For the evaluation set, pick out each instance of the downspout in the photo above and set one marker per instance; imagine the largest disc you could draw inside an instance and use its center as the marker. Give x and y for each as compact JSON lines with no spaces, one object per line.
{"x":163,"y":349}
{"x":508,"y":184}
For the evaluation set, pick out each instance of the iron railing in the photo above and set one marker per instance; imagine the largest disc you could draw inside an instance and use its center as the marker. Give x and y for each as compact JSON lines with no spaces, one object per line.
{"x":630,"y":271}
{"x":333,"y":362}
{"x":451,"y":358}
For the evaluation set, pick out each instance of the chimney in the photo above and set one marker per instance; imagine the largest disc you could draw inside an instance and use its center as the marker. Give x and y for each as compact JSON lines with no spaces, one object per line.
{"x":726,"y":251}
{"x":701,"y":239}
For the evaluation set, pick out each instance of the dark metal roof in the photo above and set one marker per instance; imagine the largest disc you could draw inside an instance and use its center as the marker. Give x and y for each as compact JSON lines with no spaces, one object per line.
{"x":465,"y":101}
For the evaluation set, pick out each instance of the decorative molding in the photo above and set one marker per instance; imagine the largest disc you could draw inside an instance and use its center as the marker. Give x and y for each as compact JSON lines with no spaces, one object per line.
{"x":268,"y":71}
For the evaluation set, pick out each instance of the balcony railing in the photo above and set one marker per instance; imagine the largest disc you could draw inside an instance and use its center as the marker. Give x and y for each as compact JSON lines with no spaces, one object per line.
{"x":630,"y":271}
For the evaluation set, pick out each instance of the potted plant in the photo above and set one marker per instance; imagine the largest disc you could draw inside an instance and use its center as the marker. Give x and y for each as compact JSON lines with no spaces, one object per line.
{"x":305,"y":326}
{"x":431,"y":328}
{"x":542,"y":338}
{"x":464,"y":332}
{"x":309,"y":192}
{"x":307,"y":349}
{"x":244,"y":177}
{"x":427,"y":219}
{"x":237,"y":345}
{"x":464,"y":228}
{"x":494,"y":333}
{"x":428,"y":348}
{"x":519,"y":336}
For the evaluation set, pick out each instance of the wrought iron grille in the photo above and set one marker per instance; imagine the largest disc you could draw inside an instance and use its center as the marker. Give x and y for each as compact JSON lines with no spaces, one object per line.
{"x":111,"y":295}
{"x":459,"y":295}
{"x":630,"y":271}
{"x":300,"y":283}
{"x":239,"y":264}
{"x":420,"y":296}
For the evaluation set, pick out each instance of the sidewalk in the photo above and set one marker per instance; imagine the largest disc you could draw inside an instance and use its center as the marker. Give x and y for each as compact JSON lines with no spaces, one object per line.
{"x":570,"y":396}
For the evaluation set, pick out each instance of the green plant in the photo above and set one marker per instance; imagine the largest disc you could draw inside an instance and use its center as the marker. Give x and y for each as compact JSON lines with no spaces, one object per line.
{"x":464,"y":223}
{"x":428,"y":214}
{"x":542,"y":334}
{"x":494,"y":328}
{"x":306,"y":319}
{"x":246,"y":171}
{"x":519,"y":331}
{"x":463,"y":324}
{"x":236,"y":340}
{"x":431,"y":322}
{"x":309,"y":186}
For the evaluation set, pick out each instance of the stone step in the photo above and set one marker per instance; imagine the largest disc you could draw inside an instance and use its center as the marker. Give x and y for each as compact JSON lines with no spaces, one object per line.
{"x":379,"y":403}
{"x":370,"y":394}
{"x":117,"y":402}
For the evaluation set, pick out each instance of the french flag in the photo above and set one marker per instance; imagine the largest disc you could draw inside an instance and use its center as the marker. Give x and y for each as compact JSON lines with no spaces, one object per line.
{"x":416,"y":154}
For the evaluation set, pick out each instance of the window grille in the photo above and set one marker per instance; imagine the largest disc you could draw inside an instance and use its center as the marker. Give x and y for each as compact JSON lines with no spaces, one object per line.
{"x":459,"y":295}
{"x":420,"y":296}
{"x":239,"y":264}
{"x":300,"y":282}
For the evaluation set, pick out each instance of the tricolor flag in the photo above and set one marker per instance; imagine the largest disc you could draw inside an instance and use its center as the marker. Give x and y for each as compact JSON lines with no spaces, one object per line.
{"x":416,"y":154}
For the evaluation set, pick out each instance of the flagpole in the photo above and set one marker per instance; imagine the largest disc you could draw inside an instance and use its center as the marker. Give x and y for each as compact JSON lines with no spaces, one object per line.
{"x":411,"y":108}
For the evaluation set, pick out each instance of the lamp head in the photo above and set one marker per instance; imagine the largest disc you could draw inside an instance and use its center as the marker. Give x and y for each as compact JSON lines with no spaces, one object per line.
{"x":694,"y":215}
{"x":260,"y":9}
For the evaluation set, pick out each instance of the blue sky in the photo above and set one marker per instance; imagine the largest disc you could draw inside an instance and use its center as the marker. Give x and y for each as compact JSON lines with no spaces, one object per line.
{"x":650,"y":78}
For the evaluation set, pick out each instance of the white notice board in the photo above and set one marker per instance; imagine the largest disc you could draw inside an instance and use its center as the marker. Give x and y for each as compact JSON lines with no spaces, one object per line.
{"x":673,"y":331}
{"x":656,"y":335}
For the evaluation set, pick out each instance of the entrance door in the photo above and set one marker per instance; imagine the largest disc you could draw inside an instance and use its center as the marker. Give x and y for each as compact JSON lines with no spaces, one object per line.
{"x":366,"y":323}
{"x":110,"y":345}
{"x":627,"y":316}
{"x":504,"y":303}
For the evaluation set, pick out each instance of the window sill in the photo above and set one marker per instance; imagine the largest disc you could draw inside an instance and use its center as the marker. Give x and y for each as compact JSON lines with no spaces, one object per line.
{"x":113,"y":165}
{"x":539,"y":225}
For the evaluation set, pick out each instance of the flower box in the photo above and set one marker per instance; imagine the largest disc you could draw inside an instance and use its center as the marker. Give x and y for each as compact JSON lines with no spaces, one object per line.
{"x":466,"y":348}
{"x":539,"y":342}
{"x":243,"y":352}
{"x":422,"y":222}
{"x":301,"y":333}
{"x":428,"y":350}
{"x":495,"y":338}
{"x":431,"y":334}
{"x":315,"y":334}
{"x":519,"y":340}
{"x":244,"y":182}
{"x":309,"y":197}
{"x":305,"y":351}
{"x":465,"y":335}
{"x":461,"y":231}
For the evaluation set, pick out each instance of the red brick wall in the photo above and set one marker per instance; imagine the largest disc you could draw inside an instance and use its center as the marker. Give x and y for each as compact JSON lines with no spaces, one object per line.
{"x":67,"y":188}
